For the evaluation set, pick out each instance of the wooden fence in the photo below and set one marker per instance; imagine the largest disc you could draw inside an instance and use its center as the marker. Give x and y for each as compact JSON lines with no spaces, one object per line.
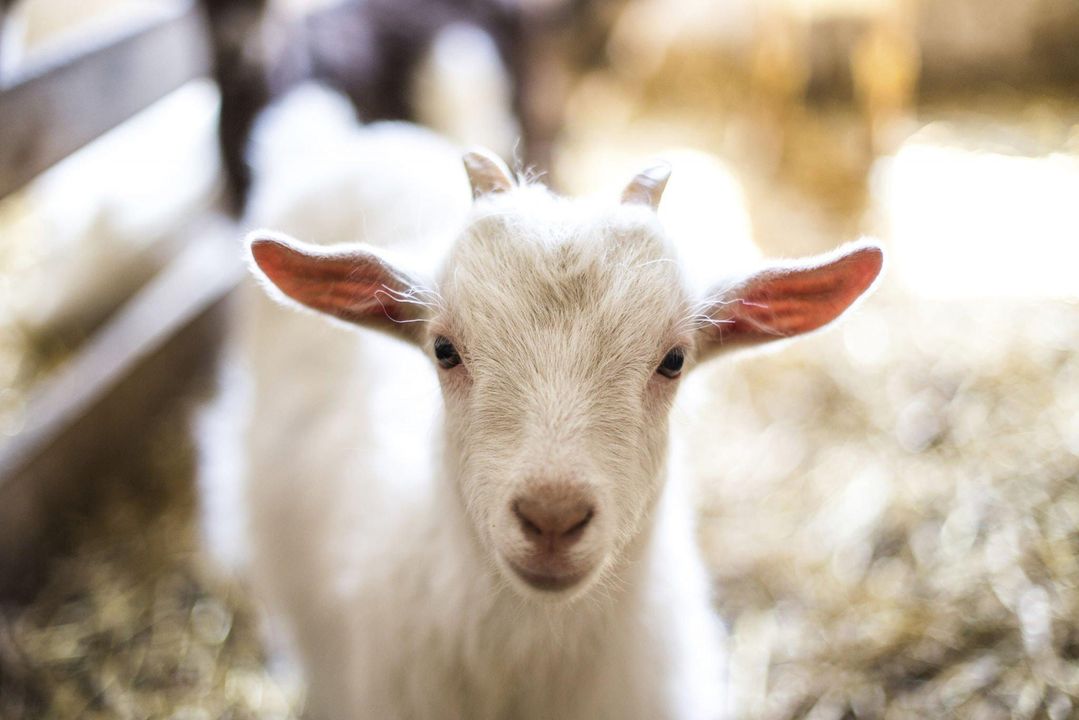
{"x":91,"y":413}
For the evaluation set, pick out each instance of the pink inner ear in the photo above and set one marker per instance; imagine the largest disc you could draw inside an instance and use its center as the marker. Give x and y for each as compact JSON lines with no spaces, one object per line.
{"x":779,"y":303}
{"x":354,"y":286}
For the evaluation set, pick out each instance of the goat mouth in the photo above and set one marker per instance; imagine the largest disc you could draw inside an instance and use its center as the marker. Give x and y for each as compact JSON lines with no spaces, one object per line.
{"x":547,"y":582}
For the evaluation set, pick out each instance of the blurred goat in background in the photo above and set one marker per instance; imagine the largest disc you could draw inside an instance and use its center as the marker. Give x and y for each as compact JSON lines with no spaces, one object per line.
{"x":382,"y":54}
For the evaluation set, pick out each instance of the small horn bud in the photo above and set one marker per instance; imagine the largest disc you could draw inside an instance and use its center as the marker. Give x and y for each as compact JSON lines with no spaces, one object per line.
{"x":487,"y":173}
{"x":647,"y":187}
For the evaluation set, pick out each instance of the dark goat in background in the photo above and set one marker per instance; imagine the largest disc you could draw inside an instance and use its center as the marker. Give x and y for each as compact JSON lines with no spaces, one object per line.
{"x":370,"y":49}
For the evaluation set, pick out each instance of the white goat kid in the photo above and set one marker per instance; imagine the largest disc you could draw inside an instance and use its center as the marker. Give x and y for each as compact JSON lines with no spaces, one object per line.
{"x":545,"y":567}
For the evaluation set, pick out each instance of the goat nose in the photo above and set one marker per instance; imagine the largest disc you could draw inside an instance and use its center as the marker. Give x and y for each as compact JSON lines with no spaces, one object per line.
{"x":553,"y":517}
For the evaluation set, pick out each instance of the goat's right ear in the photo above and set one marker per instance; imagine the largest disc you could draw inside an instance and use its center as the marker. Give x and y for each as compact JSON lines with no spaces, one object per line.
{"x":788,"y":299}
{"x":350,"y":283}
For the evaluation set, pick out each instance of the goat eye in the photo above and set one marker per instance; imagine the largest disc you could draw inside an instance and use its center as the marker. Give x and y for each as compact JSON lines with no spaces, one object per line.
{"x":446,"y":353}
{"x":672,"y":363}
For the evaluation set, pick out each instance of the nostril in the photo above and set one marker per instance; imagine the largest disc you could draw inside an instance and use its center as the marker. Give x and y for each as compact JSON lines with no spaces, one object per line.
{"x":577,"y":528}
{"x":529,"y":527}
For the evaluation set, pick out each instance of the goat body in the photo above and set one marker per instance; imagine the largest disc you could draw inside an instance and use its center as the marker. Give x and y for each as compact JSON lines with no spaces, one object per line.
{"x":385,"y":528}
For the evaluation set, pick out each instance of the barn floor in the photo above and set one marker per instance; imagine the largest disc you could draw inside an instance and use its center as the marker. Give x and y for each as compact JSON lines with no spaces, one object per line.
{"x":891,"y":510}
{"x":131,"y":622}
{"x":894,"y":520}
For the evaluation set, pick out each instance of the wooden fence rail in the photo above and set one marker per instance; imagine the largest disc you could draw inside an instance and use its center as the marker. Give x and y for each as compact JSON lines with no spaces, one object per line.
{"x":93,"y":410}
{"x":53,"y":110}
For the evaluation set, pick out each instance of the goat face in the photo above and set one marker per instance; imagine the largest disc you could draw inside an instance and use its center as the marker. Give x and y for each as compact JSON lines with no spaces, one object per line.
{"x":559,"y":331}
{"x":559,"y":337}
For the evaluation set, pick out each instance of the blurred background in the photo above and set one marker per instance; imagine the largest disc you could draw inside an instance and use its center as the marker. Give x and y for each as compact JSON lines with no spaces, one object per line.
{"x":890,"y":508}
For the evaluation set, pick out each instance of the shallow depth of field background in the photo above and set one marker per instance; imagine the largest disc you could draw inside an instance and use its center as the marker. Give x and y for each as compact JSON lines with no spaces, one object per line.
{"x":890,"y":508}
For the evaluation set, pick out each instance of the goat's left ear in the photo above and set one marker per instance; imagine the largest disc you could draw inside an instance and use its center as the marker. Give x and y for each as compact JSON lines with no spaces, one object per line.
{"x":353,"y":284}
{"x":787,"y":300}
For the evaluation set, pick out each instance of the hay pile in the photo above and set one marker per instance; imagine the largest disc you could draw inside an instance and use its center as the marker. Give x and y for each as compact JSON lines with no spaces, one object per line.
{"x":131,"y":624}
{"x":892,"y":513}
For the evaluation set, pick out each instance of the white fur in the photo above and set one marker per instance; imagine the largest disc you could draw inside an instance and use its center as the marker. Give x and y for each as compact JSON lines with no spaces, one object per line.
{"x":377,"y":514}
